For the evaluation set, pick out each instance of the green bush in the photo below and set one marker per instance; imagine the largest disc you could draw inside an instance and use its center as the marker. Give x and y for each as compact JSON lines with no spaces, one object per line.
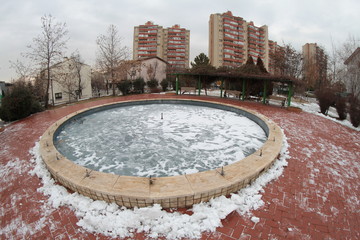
{"x":152,"y":83}
{"x":139,"y":85}
{"x":354,"y":112}
{"x":164,"y":84}
{"x":19,"y":103}
{"x":124,"y":87}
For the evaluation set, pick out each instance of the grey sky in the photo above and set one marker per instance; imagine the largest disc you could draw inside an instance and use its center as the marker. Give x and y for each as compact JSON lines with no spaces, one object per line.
{"x":295,"y":22}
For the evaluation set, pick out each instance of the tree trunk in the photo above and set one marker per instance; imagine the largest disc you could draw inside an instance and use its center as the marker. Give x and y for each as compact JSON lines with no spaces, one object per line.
{"x":113,"y":81}
{"x":79,"y":87}
{"x":47,"y":87}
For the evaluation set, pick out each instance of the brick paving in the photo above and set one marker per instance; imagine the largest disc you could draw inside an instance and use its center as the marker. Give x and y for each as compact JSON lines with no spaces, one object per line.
{"x":317,"y":196}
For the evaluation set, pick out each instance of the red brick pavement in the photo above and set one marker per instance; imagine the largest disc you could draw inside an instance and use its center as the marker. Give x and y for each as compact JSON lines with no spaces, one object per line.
{"x":317,"y":197}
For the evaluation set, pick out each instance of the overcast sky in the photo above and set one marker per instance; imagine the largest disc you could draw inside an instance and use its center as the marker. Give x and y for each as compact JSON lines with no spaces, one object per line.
{"x":289,"y":21}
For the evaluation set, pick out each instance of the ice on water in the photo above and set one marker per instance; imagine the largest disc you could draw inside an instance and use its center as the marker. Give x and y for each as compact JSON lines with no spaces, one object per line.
{"x":135,"y":141}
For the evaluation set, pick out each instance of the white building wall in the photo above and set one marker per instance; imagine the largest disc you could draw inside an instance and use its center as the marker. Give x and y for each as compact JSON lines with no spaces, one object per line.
{"x":158,"y":66}
{"x":352,"y":78}
{"x":58,"y":91}
{"x":86,"y":80}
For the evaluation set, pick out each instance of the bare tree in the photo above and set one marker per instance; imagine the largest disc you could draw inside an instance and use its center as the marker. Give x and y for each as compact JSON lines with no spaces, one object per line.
{"x":76,"y":67}
{"x":151,"y":71}
{"x":347,"y":48}
{"x":287,"y":61}
{"x":39,"y":88}
{"x":22,"y":69}
{"x":129,"y":69}
{"x":351,"y":76}
{"x":334,"y":63}
{"x":48,"y":48}
{"x":338,"y":56}
{"x":133,"y":68}
{"x":97,"y":83}
{"x":111,"y":54}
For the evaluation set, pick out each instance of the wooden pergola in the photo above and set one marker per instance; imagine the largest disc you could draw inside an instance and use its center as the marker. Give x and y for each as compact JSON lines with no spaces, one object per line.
{"x":244,"y":78}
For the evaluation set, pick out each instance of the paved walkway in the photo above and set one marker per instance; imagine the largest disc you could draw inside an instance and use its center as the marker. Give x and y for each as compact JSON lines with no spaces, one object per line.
{"x":317,"y":197}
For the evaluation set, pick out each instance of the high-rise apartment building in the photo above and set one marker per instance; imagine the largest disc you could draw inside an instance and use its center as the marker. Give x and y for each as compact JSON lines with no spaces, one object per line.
{"x":177,"y":46}
{"x":171,"y":44}
{"x":148,"y":41}
{"x":232,"y":40}
{"x":315,"y":65}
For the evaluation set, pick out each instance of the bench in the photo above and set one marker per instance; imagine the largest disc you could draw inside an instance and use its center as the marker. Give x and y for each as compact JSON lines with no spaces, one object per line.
{"x":278,"y":99}
{"x":188,"y":89}
{"x":234,"y":93}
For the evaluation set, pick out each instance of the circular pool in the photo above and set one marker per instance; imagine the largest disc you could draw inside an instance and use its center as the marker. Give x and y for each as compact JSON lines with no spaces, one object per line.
{"x":184,"y":188}
{"x":159,"y":139}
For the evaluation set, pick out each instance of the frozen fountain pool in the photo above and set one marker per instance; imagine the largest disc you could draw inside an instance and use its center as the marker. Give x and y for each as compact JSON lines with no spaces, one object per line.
{"x":199,"y":150}
{"x":158,"y":139}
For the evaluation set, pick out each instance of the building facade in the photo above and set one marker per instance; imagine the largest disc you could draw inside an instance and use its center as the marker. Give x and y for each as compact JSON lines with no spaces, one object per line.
{"x":352,"y":78}
{"x":148,"y":41}
{"x":147,"y":69}
{"x":70,"y":81}
{"x":177,"y":46}
{"x":232,"y":40}
{"x":315,"y":65}
{"x":171,"y":44}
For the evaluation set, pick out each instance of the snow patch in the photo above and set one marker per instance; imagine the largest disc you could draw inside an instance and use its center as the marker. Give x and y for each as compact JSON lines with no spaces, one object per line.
{"x":315,"y":109}
{"x":11,"y":170}
{"x":115,"y":221}
{"x":255,"y":219}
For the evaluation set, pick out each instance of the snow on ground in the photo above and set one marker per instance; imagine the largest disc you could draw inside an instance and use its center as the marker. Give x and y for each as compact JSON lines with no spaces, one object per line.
{"x":313,"y":107}
{"x":310,"y":106}
{"x":115,"y":221}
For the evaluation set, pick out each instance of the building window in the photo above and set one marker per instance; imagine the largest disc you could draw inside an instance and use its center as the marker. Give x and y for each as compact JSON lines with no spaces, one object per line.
{"x":58,"y":95}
